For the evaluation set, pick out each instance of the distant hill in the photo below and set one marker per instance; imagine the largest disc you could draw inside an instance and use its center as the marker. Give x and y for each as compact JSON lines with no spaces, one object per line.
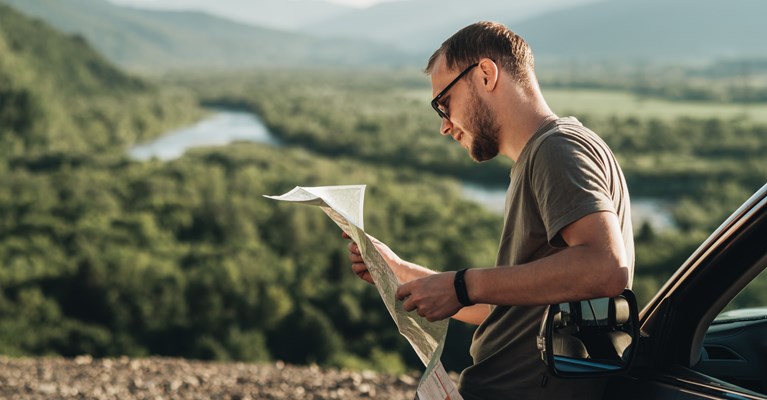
{"x":651,"y":29}
{"x":277,"y":14}
{"x":420,"y":26}
{"x":617,"y":29}
{"x":58,"y":94}
{"x":147,"y":39}
{"x":32,"y":48}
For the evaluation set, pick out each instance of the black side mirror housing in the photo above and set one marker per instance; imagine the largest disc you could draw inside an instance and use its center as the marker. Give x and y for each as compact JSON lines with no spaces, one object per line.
{"x":590,"y":338}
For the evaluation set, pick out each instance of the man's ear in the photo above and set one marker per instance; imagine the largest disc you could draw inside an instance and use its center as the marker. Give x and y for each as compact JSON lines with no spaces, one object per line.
{"x":490,"y":74}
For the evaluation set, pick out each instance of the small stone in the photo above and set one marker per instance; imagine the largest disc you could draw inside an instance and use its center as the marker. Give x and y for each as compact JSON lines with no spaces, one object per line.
{"x":47,"y":388}
{"x":406,"y":379}
{"x":191,"y":381}
{"x":84,"y":359}
{"x":175,"y":385}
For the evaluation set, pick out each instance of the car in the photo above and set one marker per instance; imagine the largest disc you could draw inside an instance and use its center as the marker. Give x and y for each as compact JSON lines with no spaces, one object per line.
{"x":685,"y":343}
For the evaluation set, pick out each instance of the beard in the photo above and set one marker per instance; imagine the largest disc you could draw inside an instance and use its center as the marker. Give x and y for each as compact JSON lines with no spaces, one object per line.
{"x":484,"y":144}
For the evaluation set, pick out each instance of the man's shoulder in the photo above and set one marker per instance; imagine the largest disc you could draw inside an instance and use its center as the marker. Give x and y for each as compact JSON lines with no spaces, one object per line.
{"x":566,"y":137}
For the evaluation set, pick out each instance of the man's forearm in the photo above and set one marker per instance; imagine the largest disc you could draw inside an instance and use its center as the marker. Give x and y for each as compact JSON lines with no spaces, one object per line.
{"x":474,"y":314}
{"x":575,"y":273}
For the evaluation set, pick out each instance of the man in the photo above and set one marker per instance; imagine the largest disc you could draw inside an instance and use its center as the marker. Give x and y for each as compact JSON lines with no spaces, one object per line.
{"x":567,"y":233}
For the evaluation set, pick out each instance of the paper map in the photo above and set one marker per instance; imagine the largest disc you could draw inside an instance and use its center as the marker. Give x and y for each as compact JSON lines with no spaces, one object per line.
{"x":344,"y":205}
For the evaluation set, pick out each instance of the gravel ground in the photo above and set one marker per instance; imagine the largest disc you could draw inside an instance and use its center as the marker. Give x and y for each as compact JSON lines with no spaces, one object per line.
{"x":170,"y":378}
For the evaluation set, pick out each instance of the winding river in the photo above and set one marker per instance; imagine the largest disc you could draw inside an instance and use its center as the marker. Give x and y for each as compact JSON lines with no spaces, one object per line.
{"x":220,"y":129}
{"x":228,"y":126}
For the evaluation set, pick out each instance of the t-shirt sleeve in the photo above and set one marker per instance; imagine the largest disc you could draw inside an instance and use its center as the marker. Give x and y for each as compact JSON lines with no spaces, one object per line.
{"x":569,"y":181}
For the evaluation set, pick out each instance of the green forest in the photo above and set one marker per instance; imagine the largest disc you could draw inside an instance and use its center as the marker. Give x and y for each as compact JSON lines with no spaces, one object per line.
{"x":101,"y":254}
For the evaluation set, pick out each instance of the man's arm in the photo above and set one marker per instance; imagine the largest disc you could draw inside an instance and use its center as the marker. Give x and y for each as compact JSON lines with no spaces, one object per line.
{"x":593,"y":265}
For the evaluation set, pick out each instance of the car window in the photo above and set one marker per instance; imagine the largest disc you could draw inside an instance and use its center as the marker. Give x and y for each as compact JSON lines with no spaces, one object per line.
{"x":754,"y":295}
{"x":733,"y":348}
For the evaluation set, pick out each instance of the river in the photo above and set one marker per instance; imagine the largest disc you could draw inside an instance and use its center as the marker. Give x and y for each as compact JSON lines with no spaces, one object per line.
{"x":228,"y":126}
{"x":656,"y":213}
{"x":220,"y":129}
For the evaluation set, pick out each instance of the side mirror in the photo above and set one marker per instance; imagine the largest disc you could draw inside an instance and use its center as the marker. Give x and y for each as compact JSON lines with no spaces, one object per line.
{"x":590,"y":338}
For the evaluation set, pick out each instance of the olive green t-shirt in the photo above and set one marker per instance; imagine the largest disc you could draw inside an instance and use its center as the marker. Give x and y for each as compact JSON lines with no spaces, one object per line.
{"x":564,"y":173}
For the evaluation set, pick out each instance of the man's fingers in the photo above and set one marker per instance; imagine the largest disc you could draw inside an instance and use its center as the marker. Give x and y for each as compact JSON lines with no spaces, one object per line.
{"x":358,"y":264}
{"x":364,"y":275}
{"x":355,"y":255}
{"x":353,"y":248}
{"x":403,"y":291}
{"x":361,"y":270}
{"x":408,"y":305}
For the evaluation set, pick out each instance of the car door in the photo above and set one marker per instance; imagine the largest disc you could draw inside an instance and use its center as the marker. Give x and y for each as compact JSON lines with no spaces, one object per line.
{"x":672,"y":362}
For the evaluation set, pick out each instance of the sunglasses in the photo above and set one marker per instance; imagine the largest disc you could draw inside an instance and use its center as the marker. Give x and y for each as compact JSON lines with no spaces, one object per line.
{"x":441,"y":109}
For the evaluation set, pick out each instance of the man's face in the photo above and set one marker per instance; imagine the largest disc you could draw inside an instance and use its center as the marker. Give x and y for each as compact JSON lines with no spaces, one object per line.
{"x":471,"y":121}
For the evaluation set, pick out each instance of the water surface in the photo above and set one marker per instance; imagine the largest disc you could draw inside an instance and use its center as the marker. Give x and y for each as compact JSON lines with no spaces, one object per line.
{"x":223,"y":128}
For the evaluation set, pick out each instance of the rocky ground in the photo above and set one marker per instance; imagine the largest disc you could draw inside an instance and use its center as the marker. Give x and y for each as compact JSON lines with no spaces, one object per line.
{"x":168,"y":378}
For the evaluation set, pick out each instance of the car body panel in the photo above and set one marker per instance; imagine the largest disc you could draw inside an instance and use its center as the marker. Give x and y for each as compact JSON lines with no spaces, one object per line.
{"x":675,"y":384}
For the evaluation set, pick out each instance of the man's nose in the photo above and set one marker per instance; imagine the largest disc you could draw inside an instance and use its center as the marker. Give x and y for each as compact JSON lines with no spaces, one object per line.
{"x":445,"y":127}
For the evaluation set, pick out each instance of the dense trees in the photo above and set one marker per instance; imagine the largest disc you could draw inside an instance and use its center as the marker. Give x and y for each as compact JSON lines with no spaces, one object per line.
{"x":188,"y":259}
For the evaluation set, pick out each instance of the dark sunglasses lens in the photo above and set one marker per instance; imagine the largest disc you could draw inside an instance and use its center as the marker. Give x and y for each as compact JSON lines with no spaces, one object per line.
{"x":440,"y":109}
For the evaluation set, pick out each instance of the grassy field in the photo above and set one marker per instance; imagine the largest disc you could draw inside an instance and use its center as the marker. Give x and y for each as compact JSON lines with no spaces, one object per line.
{"x":607,"y":103}
{"x":602,"y":103}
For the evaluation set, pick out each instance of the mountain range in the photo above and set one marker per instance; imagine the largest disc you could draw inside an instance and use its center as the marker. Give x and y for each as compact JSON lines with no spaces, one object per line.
{"x":282,"y":14}
{"x":246,"y":33}
{"x":420,"y":26}
{"x":163,"y":40}
{"x":651,"y":30}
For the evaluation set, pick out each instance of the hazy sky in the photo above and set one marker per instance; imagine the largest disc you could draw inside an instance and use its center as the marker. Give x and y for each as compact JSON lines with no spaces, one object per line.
{"x":358,"y":3}
{"x":351,"y":3}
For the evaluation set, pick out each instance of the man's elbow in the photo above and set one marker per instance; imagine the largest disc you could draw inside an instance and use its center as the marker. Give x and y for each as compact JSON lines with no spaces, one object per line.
{"x":614,"y":281}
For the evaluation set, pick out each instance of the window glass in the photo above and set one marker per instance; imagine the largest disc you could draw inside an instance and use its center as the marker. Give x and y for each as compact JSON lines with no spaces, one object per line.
{"x":733,"y":348}
{"x":753,"y":295}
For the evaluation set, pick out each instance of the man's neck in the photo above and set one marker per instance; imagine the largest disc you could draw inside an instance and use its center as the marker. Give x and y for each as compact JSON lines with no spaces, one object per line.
{"x":520,"y":130}
{"x":520,"y":111}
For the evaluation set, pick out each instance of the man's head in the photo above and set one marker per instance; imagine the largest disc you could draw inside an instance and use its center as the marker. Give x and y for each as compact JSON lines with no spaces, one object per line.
{"x":465,"y":67}
{"x":486,"y":40}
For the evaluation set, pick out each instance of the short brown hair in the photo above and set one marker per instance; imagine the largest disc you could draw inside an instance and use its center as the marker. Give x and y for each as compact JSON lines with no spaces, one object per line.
{"x":486,"y":39}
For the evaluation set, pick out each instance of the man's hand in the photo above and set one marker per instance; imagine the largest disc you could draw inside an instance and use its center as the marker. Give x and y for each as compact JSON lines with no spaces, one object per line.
{"x":430,"y":304}
{"x":433,"y":296}
{"x":358,"y":264}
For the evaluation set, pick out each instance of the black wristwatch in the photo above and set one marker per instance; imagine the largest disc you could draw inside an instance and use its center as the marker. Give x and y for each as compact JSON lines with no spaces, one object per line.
{"x":460,"y":288}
